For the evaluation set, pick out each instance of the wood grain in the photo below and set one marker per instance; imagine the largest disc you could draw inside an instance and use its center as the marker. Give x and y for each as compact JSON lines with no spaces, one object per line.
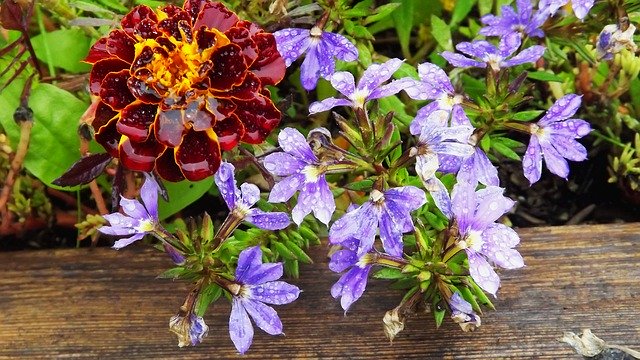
{"x":107,"y":304}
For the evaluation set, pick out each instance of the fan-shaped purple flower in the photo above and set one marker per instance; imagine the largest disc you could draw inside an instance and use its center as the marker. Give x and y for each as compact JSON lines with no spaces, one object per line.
{"x":580,"y":7}
{"x":258,"y":286}
{"x":496,"y":58}
{"x":553,"y":137}
{"x":321,"y":48}
{"x":241,"y":201}
{"x":302,"y":171}
{"x":524,"y":21}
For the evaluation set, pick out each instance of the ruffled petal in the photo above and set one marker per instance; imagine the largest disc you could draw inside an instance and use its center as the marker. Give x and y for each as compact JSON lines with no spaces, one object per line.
{"x":198,"y":155}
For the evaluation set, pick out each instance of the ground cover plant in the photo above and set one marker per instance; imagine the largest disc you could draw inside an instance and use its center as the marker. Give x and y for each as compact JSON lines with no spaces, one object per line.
{"x":234,"y":135}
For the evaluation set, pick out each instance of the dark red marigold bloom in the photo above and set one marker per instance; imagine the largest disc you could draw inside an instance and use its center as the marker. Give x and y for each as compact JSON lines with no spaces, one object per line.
{"x":177,"y":86}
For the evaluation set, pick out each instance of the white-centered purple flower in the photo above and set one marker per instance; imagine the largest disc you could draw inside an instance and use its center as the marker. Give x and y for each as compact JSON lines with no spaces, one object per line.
{"x":435,"y":85}
{"x":389,"y":211}
{"x":369,"y":87}
{"x":553,"y":137}
{"x":612,"y":40}
{"x":462,"y":313}
{"x":524,"y":21}
{"x":580,"y":7}
{"x":190,"y":329}
{"x":321,"y":48}
{"x":258,"y":287}
{"x":302,"y":171}
{"x":352,"y":283}
{"x":138,"y":219}
{"x":494,"y":57}
{"x":241,"y":201}
{"x":475,"y":213}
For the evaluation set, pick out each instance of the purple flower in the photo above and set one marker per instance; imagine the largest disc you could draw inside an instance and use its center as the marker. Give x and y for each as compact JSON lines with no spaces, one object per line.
{"x":580,"y":7}
{"x":525,"y":21}
{"x":435,"y":85}
{"x":258,"y":286}
{"x":388,"y":211}
{"x":351,"y":284}
{"x":612,"y":40}
{"x":554,"y":137}
{"x":321,"y":48}
{"x":190,"y":329}
{"x":369,"y":87}
{"x":495,"y":57}
{"x":436,"y":138}
{"x":241,"y":201}
{"x":302,"y":171}
{"x":462,"y":313}
{"x":140,"y":218}
{"x":478,"y":168}
{"x":475,"y":213}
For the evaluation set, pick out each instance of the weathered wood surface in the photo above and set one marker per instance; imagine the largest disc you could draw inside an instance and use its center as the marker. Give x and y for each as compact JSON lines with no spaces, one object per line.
{"x":100,"y":304}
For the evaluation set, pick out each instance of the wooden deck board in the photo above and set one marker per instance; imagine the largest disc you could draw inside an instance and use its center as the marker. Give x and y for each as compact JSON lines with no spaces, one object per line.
{"x":101,"y":303}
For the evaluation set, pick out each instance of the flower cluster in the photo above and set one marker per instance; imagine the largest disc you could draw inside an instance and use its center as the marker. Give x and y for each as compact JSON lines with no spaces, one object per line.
{"x":177,"y":86}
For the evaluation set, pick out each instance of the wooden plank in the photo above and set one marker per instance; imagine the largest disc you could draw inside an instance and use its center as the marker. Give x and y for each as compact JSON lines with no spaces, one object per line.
{"x":101,"y":303}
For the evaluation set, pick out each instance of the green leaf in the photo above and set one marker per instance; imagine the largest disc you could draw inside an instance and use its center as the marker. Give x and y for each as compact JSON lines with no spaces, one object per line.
{"x":283,"y":250}
{"x":363,"y":185}
{"x":441,"y":32}
{"x":69,"y":48}
{"x":54,"y":144}
{"x":485,"y":143}
{"x":298,"y":252}
{"x":526,"y":115}
{"x":461,"y":11}
{"x":484,"y":7}
{"x":403,"y":20}
{"x":389,"y":274}
{"x":504,"y":150}
{"x":173,"y":273}
{"x":438,"y":315}
{"x":544,"y":76}
{"x":182,"y":194}
{"x":392,"y":103}
{"x":208,"y":295}
{"x":381,"y":12}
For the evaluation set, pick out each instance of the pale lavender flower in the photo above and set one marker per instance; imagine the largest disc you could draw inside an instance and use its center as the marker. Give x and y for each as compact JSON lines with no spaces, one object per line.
{"x":351,"y":285}
{"x":302,"y":171}
{"x":139,"y":219}
{"x":554,"y":137}
{"x":258,"y":286}
{"x":580,"y":7}
{"x":477,"y":168}
{"x":612,"y":40}
{"x":190,"y":329}
{"x":388,"y":211}
{"x":495,"y":57}
{"x":524,"y":21}
{"x":321,"y":48}
{"x":369,"y":86}
{"x":462,"y":313}
{"x":435,"y":85}
{"x":241,"y":201}
{"x":475,"y":213}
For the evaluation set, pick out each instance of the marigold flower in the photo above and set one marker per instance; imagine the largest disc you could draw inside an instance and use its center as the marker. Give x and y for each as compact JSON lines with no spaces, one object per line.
{"x":177,"y":86}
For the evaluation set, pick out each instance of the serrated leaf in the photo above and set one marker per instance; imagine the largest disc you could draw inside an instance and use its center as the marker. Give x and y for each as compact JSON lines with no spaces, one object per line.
{"x":208,"y":295}
{"x":544,"y":76}
{"x":526,"y":115}
{"x":84,"y":170}
{"x":54,"y":144}
{"x":441,"y":32}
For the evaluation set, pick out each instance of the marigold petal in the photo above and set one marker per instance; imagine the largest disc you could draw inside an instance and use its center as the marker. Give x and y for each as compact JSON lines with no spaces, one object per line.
{"x":142,"y":91}
{"x":229,"y":131}
{"x":109,"y":137}
{"x":101,"y":69}
{"x":138,"y":21}
{"x":98,"y":51}
{"x":247,"y":90}
{"x":242,"y":37}
{"x":215,"y":15}
{"x":259,"y":117}
{"x":103,"y":115}
{"x":229,"y":68}
{"x":172,"y":24}
{"x":136,"y":119}
{"x":119,"y":44}
{"x":220,"y":108}
{"x":197,"y":114}
{"x":114,"y":91}
{"x":198,"y":155}
{"x":167,"y":168}
{"x":269,"y":66}
{"x":170,"y":127}
{"x":139,"y":156}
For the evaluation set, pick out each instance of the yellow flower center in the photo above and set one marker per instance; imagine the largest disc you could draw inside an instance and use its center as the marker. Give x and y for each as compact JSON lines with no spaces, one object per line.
{"x":177,"y":64}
